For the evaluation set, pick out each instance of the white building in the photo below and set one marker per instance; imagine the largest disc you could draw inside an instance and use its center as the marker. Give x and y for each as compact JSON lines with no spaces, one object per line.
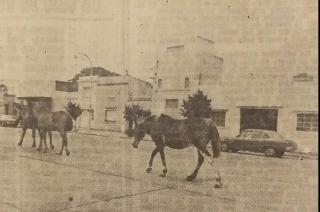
{"x":106,"y":97}
{"x":285,"y":104}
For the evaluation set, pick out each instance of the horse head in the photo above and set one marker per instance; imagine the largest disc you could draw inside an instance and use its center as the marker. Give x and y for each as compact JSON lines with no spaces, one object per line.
{"x":74,"y":110}
{"x":21,"y":112}
{"x":143,"y":127}
{"x":133,"y":114}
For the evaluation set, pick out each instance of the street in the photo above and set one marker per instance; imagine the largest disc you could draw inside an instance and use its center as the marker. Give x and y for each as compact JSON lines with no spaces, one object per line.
{"x":104,"y":173}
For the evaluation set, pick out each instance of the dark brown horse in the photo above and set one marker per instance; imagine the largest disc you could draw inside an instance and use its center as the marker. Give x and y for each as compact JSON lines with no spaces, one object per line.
{"x":61,"y":121}
{"x":28,"y":121}
{"x":179,"y":134}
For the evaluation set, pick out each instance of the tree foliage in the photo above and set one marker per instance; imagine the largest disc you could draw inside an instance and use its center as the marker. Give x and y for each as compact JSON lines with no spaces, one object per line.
{"x":197,"y":106}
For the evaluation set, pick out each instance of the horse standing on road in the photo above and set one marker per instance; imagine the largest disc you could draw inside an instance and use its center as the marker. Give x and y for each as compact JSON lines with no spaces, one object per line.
{"x":61,"y":121}
{"x":179,"y":134}
{"x":28,"y":121}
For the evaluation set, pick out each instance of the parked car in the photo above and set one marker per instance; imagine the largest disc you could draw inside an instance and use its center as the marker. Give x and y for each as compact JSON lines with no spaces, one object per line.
{"x":7,"y":120}
{"x":268,"y":142}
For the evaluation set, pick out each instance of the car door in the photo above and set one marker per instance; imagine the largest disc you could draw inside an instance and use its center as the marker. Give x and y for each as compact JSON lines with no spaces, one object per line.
{"x":241,"y":141}
{"x":255,"y":142}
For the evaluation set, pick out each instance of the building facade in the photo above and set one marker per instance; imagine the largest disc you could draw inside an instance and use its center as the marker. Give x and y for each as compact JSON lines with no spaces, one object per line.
{"x":54,"y":95}
{"x":286,"y":104}
{"x":6,"y":101}
{"x":180,"y":70}
{"x":105,"y":98}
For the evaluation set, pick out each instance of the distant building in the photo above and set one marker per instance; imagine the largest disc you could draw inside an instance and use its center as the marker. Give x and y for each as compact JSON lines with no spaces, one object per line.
{"x":54,"y":95}
{"x":105,"y":97}
{"x":6,"y":101}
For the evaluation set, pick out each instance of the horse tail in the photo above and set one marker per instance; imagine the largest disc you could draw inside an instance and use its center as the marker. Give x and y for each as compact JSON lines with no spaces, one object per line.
{"x":215,"y":140}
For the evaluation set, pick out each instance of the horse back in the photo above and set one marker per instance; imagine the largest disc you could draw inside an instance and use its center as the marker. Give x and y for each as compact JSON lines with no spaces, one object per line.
{"x":30,"y":122}
{"x":55,"y":121}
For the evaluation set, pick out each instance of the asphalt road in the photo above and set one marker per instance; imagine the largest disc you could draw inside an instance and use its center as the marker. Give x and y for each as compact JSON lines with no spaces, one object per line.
{"x":107,"y":174}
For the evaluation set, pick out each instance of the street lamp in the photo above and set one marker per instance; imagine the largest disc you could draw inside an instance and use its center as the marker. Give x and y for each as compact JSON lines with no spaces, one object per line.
{"x":91,"y":87}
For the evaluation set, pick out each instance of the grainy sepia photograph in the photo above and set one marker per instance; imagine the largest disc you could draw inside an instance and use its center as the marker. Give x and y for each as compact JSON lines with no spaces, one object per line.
{"x":158,"y":105}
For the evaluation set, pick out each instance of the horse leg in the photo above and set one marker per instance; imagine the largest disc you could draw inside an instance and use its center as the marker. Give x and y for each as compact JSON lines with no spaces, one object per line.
{"x":45,"y":141}
{"x":153,"y":154}
{"x":202,"y":147}
{"x":41,"y":138}
{"x":50,"y":138}
{"x":163,"y":159}
{"x":62,"y":145}
{"x":34,"y":137}
{"x":65,"y":138}
{"x":22,"y":136}
{"x":195,"y":172}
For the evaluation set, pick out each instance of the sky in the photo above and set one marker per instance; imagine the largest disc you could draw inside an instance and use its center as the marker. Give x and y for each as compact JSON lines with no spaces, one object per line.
{"x":45,"y":40}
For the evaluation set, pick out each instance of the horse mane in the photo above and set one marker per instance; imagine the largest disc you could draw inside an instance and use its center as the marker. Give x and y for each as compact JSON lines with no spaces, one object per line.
{"x":165,"y":116}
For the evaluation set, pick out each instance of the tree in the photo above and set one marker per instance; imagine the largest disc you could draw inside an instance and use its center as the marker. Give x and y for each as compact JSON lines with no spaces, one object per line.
{"x":197,"y":106}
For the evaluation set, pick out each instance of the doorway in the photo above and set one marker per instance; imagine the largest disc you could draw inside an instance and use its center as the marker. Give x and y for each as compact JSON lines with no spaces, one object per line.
{"x":256,"y":118}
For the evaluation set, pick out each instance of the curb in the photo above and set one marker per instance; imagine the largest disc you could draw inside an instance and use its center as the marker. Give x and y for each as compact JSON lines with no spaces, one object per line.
{"x":297,"y":155}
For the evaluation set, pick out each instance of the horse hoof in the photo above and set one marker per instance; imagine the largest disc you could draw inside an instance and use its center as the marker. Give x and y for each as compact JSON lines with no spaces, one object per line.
{"x":218,"y":185}
{"x":162,"y":175}
{"x":52,"y":147}
{"x":67,"y":152}
{"x":190,"y":178}
{"x":45,"y":151}
{"x":19,"y":144}
{"x":33,"y":145}
{"x":38,"y":149}
{"x":60,"y":153}
{"x":148,"y":170}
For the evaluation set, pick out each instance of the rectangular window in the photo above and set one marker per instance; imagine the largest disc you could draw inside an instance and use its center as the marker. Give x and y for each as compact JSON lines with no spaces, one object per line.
{"x":307,"y":122}
{"x":219,"y":117}
{"x":111,"y":99}
{"x":110,"y":115}
{"x":159,"y":83}
{"x":172,"y":103}
{"x":186,"y":83}
{"x":86,"y":92}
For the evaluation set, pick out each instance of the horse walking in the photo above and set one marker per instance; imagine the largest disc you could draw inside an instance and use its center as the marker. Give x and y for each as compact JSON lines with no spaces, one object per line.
{"x":179,"y":134}
{"x":28,"y":121}
{"x":61,"y":121}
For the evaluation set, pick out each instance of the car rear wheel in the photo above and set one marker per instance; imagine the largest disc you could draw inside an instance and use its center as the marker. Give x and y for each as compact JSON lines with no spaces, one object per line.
{"x":269,"y":151}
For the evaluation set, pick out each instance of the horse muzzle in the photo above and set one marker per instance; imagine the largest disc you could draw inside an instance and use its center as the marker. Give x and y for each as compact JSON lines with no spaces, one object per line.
{"x":135,"y":144}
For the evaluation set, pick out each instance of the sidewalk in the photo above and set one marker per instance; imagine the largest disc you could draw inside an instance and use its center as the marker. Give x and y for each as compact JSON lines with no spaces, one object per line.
{"x":109,"y":133}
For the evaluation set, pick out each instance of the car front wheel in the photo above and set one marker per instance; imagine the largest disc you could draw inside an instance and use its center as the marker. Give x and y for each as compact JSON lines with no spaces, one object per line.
{"x":269,"y":151}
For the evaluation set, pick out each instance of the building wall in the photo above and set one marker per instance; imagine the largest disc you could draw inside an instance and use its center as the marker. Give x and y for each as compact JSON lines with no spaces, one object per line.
{"x":61,"y":99}
{"x":109,"y":97}
{"x":193,"y":59}
{"x":233,"y":91}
